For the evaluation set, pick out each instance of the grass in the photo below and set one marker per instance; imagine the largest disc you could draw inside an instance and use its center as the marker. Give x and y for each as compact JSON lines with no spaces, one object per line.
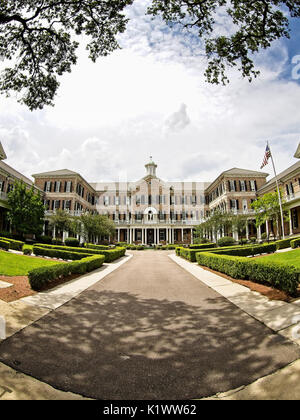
{"x":288,"y":258}
{"x":20,"y":265}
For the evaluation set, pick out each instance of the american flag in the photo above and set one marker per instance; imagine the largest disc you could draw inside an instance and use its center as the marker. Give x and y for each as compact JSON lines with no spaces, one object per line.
{"x":266,"y":157}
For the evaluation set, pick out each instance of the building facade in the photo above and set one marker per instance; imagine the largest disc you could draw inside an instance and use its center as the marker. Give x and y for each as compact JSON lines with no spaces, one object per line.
{"x":8,"y":176}
{"x":289,"y":184}
{"x":151,"y":210}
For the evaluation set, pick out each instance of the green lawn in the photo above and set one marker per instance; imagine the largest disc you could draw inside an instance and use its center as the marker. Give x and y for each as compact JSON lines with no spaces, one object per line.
{"x":289,"y":258}
{"x":20,"y":265}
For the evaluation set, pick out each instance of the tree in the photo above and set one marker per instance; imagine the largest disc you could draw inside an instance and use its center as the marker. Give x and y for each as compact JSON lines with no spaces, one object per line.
{"x":95,"y":225}
{"x":61,"y":220}
{"x":251,"y":27}
{"x":26,"y":210}
{"x":267,"y":208}
{"x":41,"y":37}
{"x":239,"y":222}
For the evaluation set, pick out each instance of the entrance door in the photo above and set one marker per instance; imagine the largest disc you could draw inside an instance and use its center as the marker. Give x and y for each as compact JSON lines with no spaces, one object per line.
{"x":150,"y":236}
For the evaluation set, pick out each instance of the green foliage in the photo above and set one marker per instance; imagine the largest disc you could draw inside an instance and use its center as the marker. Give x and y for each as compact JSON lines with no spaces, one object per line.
{"x":254,"y":26}
{"x":202,"y":246}
{"x":26,"y":210}
{"x":96,"y":225}
{"x":4,"y":245}
{"x":56,"y":241}
{"x":92,"y":246}
{"x":13,"y":244}
{"x":61,"y":220}
{"x":45,"y":239}
{"x":41,"y":37}
{"x":226,"y":241}
{"x":295,"y":243}
{"x":71,"y":253}
{"x":27,"y":249}
{"x":72,"y":242}
{"x":277,"y":275}
{"x":40,"y":277}
{"x":284,"y":243}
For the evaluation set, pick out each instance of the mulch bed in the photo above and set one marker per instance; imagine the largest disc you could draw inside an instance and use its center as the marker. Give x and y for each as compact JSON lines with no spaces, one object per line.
{"x":269,"y":292}
{"x":21,"y":288}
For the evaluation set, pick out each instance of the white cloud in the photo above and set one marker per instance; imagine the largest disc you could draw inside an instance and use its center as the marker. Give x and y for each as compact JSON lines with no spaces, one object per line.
{"x":151,"y":99}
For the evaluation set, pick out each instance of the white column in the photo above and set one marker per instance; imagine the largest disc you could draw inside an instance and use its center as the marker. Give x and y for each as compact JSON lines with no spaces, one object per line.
{"x":291,"y":222}
{"x":128,"y":236}
{"x":119,"y":234}
{"x":267,"y":228}
{"x":167,"y":235}
{"x":259,"y":233}
{"x":247,"y":231}
{"x":142,"y":236}
{"x":182,"y":235}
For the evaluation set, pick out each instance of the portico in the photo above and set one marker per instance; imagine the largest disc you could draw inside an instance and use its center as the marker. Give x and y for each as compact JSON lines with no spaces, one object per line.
{"x":154,"y":235}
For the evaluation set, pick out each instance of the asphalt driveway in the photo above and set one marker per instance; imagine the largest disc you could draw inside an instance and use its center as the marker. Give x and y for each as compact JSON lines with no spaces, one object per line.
{"x":149,"y":330}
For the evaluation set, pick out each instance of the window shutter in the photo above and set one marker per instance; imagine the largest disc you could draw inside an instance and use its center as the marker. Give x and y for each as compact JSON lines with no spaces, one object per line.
{"x":45,"y":186}
{"x":237,"y":204}
{"x":246,"y":188}
{"x":229,"y":186}
{"x":235,"y":187}
{"x":255,"y":183}
{"x":292,"y":188}
{"x":240,"y":185}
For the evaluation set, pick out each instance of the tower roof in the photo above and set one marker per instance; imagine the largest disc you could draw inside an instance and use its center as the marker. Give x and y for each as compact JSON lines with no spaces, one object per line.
{"x":2,"y":153}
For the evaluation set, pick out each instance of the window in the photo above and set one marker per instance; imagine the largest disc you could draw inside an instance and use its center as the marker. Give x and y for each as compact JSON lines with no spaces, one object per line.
{"x":245,"y":206}
{"x":48,"y":186}
{"x":57,"y":187}
{"x":253,"y":186}
{"x":232,"y":185}
{"x":138,"y":200}
{"x":243,"y":186}
{"x":68,"y":187}
{"x":106,"y":200}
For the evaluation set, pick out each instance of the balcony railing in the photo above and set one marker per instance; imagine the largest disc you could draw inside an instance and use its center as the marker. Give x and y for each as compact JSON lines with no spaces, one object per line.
{"x":158,"y":222}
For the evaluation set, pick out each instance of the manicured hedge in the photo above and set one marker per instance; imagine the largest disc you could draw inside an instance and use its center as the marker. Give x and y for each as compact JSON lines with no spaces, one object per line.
{"x":70,"y":253}
{"x":285,"y":243}
{"x":58,"y":253}
{"x":190,"y":254}
{"x":4,"y":245}
{"x":74,"y":242}
{"x":295,"y":243}
{"x":246,"y":251}
{"x":42,"y":276}
{"x":202,"y":246}
{"x":13,"y":244}
{"x":281,"y":276}
{"x":27,"y":249}
{"x":92,"y":246}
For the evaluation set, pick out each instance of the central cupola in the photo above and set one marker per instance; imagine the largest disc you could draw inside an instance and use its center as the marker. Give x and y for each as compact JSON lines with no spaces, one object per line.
{"x":151,"y":168}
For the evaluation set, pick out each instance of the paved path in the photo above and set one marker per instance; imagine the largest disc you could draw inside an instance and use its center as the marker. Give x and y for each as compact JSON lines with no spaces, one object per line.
{"x":149,"y":330}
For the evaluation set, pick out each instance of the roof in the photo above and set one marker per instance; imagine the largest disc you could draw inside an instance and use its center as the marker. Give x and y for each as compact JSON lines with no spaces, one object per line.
{"x":297,"y":154}
{"x":2,"y":153}
{"x":60,"y":172}
{"x":14,"y":173}
{"x":244,"y":172}
{"x":281,"y":177}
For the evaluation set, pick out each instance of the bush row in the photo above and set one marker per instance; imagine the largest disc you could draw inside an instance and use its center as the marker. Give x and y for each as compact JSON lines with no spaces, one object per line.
{"x":59,"y":253}
{"x":246,"y":251}
{"x":202,"y":246}
{"x":13,"y":244}
{"x":69,"y":253}
{"x":4,"y":245}
{"x":42,"y":276}
{"x":278,"y":275}
{"x":295,"y":243}
{"x":190,"y":254}
{"x":92,"y":246}
{"x":285,"y":243}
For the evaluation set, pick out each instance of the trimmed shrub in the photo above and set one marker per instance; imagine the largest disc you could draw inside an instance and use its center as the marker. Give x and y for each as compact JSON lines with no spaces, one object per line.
{"x":226,"y":241}
{"x":295,"y":243}
{"x":202,"y":246}
{"x":92,"y":246}
{"x":284,"y":243}
{"x":42,"y":276}
{"x":253,"y":239}
{"x":277,"y":275}
{"x":248,"y":250}
{"x":44,"y":239}
{"x":4,"y":245}
{"x":73,"y":242}
{"x":56,"y":241}
{"x":58,"y":253}
{"x":13,"y":244}
{"x":27,"y":250}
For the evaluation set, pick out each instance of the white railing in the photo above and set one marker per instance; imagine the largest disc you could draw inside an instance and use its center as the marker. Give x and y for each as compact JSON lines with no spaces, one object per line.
{"x":158,"y":222}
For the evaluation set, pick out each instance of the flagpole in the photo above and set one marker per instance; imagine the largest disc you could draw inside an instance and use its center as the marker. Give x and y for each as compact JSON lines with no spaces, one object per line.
{"x":279,"y":197}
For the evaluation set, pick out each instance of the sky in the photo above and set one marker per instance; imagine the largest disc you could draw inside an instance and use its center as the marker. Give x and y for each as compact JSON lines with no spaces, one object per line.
{"x":150,"y":98}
